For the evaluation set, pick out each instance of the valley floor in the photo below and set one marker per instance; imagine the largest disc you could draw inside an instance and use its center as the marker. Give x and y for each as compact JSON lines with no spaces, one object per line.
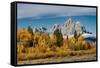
{"x":90,"y":57}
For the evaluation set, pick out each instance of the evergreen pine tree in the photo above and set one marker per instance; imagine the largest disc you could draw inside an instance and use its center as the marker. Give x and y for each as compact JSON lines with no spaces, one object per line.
{"x":59,"y":37}
{"x":30,"y":30}
{"x":75,"y":34}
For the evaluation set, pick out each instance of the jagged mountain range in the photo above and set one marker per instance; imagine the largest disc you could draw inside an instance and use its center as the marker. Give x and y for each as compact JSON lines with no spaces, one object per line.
{"x":67,"y":29}
{"x":41,"y":29}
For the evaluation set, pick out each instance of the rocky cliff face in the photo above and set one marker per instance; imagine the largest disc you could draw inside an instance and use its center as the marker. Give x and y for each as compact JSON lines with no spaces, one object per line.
{"x":41,"y":29}
{"x":79,"y":28}
{"x":69,"y":27}
{"x":54,"y":27}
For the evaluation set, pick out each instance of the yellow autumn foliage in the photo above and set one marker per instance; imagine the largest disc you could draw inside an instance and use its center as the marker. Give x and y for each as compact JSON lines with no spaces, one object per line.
{"x":45,"y":46}
{"x":23,"y":35}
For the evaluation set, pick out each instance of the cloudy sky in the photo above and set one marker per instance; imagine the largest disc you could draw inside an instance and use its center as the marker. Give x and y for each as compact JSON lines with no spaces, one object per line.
{"x":38,"y":11}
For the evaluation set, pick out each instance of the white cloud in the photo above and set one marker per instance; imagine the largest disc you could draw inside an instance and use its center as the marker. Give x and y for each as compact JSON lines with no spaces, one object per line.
{"x":32,"y":10}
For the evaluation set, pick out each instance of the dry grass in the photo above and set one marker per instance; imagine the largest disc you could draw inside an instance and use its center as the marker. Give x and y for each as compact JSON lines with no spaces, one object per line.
{"x":32,"y":53}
